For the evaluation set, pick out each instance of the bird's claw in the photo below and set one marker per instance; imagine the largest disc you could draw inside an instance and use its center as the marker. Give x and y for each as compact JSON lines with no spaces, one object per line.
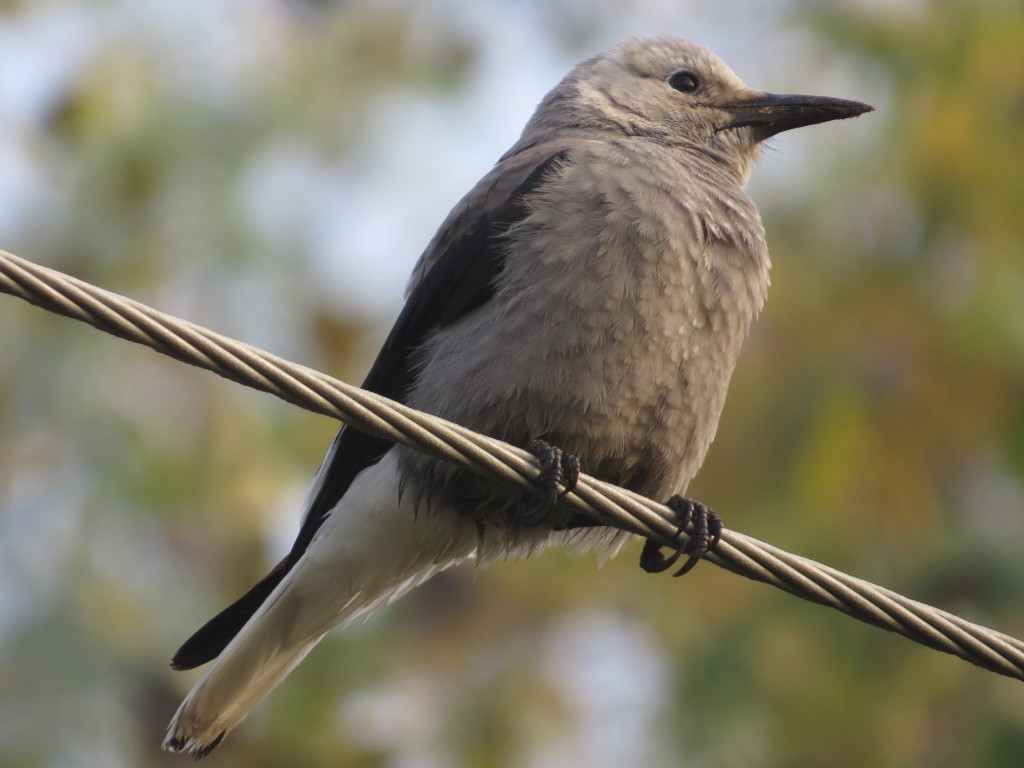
{"x":558,"y":468}
{"x":707,"y":530}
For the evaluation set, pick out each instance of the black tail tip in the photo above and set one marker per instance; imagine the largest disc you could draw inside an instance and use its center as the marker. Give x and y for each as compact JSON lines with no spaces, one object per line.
{"x":181,"y":744}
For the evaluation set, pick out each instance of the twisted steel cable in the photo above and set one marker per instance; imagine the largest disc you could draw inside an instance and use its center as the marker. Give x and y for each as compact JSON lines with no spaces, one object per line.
{"x":317,"y":392}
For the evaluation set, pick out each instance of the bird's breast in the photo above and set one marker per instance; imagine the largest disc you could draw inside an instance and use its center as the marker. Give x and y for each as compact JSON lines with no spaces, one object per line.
{"x":613,"y":331}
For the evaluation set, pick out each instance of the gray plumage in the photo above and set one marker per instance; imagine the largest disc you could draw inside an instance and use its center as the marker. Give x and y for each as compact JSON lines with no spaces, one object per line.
{"x":593,"y":290}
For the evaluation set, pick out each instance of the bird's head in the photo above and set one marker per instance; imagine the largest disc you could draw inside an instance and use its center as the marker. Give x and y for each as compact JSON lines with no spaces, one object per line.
{"x":683,"y":94}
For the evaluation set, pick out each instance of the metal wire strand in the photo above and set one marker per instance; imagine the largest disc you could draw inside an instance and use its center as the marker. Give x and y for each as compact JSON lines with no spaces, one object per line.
{"x":317,"y":392}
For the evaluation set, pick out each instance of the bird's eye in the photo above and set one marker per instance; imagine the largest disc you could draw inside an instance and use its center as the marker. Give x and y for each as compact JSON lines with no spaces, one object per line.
{"x":684,"y":81}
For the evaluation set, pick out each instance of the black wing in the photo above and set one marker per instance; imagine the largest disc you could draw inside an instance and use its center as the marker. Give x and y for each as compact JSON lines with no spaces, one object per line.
{"x":461,"y":279}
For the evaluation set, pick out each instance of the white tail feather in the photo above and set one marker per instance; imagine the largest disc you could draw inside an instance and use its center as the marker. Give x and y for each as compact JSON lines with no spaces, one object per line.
{"x":372,"y":549}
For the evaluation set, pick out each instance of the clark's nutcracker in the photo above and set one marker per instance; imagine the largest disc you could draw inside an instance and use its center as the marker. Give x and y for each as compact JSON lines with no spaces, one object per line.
{"x":592,"y":292}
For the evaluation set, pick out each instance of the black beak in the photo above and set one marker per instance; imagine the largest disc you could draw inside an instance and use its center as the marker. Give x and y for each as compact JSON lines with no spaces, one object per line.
{"x":771,"y":113}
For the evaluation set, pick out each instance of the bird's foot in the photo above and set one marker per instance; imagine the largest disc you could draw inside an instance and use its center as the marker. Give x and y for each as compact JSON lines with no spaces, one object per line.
{"x":707,"y":530}
{"x":558,"y":468}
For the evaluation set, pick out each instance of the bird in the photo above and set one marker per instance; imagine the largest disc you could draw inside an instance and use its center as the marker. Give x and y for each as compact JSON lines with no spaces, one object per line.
{"x":588,"y":298}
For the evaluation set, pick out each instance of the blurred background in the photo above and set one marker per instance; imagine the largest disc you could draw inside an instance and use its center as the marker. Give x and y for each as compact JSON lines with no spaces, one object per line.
{"x":272,"y":169}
